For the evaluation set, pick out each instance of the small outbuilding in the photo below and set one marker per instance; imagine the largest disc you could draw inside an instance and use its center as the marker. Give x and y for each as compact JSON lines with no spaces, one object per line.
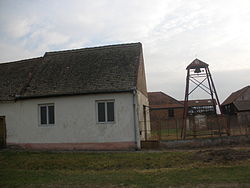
{"x":238,"y":104}
{"x":238,"y":101}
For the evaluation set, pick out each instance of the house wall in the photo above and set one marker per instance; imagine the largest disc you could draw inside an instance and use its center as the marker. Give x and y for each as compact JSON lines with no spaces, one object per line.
{"x":243,"y":118}
{"x":75,"y":126}
{"x":162,"y":115}
{"x":143,"y":100}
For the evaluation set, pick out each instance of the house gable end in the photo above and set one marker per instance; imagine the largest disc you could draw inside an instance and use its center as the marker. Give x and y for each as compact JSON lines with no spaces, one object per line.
{"x":141,"y":77}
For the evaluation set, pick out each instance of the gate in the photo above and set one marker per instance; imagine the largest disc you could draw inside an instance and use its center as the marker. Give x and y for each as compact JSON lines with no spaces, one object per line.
{"x":2,"y":132}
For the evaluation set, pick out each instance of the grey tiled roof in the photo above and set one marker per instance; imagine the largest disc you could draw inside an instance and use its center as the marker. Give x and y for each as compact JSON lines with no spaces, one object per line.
{"x":89,"y":70}
{"x":15,"y":76}
{"x":242,"y":105}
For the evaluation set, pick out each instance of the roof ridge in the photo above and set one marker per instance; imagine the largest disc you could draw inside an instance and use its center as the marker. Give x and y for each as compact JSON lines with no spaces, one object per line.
{"x":243,"y":90}
{"x":91,"y":48}
{"x":21,"y":61}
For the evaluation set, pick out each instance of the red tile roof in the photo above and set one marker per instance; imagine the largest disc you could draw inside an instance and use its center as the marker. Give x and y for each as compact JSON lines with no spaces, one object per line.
{"x":162,"y":100}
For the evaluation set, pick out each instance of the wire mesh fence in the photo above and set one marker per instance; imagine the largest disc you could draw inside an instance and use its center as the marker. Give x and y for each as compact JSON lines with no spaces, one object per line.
{"x":199,"y":126}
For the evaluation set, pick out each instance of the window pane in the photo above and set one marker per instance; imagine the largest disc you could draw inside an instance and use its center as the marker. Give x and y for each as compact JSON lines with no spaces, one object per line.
{"x":43,"y":114}
{"x":170,"y":112}
{"x":101,"y":112}
{"x":110,"y":109}
{"x":51,"y":114}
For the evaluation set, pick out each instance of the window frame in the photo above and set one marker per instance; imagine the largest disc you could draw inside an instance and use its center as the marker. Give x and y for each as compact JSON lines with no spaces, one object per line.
{"x":47,"y":115}
{"x":106,"y":111}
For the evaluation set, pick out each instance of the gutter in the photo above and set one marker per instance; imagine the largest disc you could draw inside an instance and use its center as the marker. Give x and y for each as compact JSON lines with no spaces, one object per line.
{"x":19,"y":97}
{"x":136,"y":123}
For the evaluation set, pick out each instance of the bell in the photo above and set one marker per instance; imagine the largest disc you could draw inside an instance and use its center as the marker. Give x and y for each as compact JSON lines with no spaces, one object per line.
{"x":197,"y":70}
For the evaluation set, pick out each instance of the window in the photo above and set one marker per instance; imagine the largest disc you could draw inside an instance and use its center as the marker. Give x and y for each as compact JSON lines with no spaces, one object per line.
{"x":47,"y":114}
{"x":105,"y":111}
{"x":170,"y":112}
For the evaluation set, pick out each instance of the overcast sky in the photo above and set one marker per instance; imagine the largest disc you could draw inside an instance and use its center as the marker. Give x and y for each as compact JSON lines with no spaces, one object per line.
{"x":173,"y":33}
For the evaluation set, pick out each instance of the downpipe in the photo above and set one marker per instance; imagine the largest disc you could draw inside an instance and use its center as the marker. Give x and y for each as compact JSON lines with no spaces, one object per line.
{"x":136,"y":126}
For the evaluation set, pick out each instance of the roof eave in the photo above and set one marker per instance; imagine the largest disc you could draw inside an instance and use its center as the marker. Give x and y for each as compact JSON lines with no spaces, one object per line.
{"x":70,"y":94}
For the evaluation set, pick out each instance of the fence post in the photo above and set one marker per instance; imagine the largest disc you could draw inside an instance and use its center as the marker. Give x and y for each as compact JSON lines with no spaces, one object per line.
{"x":194,"y":127}
{"x":145,"y":123}
{"x":159,"y":130}
{"x":2,"y":132}
{"x":245,"y":122}
{"x":209,"y":125}
{"x":176,"y":128}
{"x":218,"y":124}
{"x":239,"y":123}
{"x":248,"y":126}
{"x":228,"y":125}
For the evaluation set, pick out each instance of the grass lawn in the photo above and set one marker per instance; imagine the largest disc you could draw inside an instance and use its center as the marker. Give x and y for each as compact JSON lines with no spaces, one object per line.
{"x":223,"y":167}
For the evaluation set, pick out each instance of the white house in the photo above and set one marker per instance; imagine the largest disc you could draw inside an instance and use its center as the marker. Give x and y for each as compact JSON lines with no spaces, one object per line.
{"x":87,"y":99}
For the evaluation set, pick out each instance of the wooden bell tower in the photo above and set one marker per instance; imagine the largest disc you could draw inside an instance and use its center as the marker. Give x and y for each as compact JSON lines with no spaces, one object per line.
{"x":198,"y":73}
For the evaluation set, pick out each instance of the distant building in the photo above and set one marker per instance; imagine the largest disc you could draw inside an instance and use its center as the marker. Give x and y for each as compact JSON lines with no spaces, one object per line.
{"x":163,"y":106}
{"x":201,"y":106}
{"x":238,"y":104}
{"x":200,"y":110}
{"x":238,"y":101}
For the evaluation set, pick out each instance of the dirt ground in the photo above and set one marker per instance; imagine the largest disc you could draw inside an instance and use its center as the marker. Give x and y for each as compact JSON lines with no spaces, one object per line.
{"x":223,"y":155}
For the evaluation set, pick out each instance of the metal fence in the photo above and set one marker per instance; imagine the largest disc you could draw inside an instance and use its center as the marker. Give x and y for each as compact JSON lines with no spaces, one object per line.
{"x":198,"y":127}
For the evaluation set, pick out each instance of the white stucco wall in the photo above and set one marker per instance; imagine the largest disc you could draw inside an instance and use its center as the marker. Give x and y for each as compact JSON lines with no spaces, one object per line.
{"x":75,"y":120}
{"x":143,"y":100}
